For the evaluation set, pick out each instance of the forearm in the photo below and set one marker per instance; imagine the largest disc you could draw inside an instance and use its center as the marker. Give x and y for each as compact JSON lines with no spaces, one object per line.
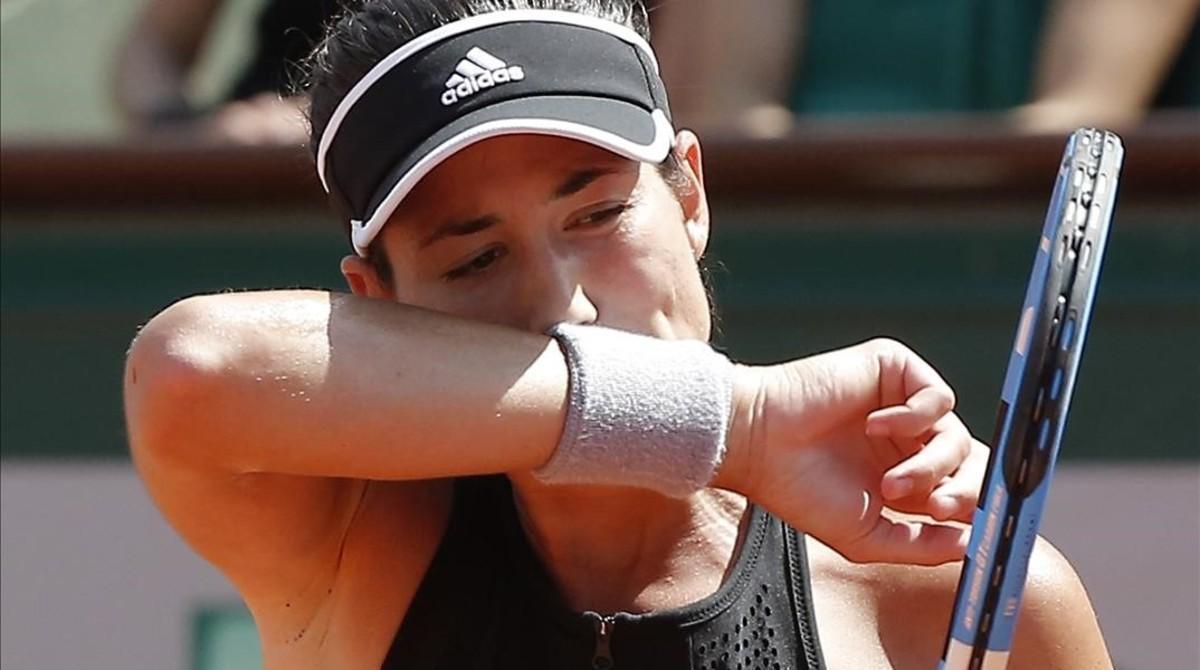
{"x":332,"y":385}
{"x":1111,"y":55}
{"x":148,"y":84}
{"x":759,"y":50}
{"x":724,"y":63}
{"x":154,"y":64}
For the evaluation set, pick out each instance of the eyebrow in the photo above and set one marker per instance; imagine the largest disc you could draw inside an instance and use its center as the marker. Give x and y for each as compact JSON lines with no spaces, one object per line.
{"x":579,"y":180}
{"x":574,"y":183}
{"x":456,"y":228}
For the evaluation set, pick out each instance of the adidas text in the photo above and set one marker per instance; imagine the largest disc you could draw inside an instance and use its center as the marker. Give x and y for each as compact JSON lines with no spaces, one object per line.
{"x":471,"y":85}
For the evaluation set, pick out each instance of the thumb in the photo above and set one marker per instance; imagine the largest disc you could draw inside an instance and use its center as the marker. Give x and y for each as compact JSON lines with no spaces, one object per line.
{"x":911,"y":542}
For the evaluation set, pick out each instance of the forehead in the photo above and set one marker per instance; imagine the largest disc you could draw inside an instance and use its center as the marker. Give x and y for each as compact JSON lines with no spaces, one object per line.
{"x":508,"y":165}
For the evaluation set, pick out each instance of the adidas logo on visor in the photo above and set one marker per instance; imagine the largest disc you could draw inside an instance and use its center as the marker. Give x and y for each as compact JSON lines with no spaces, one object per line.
{"x":477,"y":71}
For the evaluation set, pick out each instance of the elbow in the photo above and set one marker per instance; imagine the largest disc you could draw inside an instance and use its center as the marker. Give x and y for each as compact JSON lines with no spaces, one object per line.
{"x":172,"y":371}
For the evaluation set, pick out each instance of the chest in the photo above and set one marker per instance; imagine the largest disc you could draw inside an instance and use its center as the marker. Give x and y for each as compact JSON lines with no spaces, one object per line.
{"x":370,"y":603}
{"x":870,"y":618}
{"x":848,"y":626}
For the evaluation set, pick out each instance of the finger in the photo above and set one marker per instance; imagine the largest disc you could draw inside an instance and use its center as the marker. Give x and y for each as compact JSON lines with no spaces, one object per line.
{"x":901,"y":372}
{"x":889,"y":452}
{"x":910,"y":542}
{"x":956,"y":497}
{"x":892,"y":368}
{"x":920,"y":375}
{"x":939,"y":508}
{"x":941,"y":456}
{"x":917,"y":415}
{"x":953,"y":503}
{"x":916,"y":504}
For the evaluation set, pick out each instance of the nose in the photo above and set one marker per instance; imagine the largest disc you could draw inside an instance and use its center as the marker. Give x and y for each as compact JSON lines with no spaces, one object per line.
{"x":555,"y":293}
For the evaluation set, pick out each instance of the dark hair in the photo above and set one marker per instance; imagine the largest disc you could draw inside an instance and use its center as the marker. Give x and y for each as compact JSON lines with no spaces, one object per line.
{"x":368,"y":31}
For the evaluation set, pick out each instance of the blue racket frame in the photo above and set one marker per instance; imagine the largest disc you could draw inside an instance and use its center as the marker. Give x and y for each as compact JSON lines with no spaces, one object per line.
{"x":1034,"y":402}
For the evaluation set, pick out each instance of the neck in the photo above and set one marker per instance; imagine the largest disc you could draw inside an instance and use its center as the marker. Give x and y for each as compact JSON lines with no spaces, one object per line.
{"x":612,"y":550}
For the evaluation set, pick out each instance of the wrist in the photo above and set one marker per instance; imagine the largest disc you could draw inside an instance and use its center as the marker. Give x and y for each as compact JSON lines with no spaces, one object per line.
{"x":641,"y":411}
{"x":165,"y":110}
{"x":736,"y":471}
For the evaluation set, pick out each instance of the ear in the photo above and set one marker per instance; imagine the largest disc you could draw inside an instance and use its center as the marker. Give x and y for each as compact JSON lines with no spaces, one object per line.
{"x":363,"y":280}
{"x":694,"y":198}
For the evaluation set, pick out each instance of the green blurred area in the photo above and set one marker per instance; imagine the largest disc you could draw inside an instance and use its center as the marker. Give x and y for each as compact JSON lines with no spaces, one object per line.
{"x":945,"y":279}
{"x":859,"y":56}
{"x":57,"y":59}
{"x":789,"y":280}
{"x":224,"y":638}
{"x":872,"y":56}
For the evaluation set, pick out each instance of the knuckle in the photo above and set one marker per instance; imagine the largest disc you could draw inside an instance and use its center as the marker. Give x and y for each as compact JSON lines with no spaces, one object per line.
{"x":979,"y":451}
{"x":963,"y":445}
{"x":942,"y":397}
{"x":886,"y":346}
{"x":962,"y":495}
{"x":944,"y":508}
{"x":955,"y":490}
{"x":892,"y":356}
{"x":949,"y":398}
{"x":924,"y":473}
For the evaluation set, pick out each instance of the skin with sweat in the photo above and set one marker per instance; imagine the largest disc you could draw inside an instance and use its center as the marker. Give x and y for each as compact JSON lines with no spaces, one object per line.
{"x":520,"y":232}
{"x":619,"y":248}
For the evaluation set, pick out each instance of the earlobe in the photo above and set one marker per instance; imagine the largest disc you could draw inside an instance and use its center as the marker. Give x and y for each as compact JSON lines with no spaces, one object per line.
{"x":697,"y":232}
{"x":362,"y":279}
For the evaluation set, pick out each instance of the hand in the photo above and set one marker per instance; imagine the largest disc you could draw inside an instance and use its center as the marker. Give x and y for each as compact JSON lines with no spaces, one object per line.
{"x":827,"y":442}
{"x":1064,"y":113}
{"x":955,"y":496}
{"x":264,"y":119}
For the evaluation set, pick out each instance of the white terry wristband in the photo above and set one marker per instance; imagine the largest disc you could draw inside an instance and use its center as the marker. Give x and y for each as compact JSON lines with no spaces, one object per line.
{"x":642,"y":411}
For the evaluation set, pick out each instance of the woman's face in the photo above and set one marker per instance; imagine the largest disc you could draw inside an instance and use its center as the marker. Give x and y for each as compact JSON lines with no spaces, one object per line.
{"x":527,"y":230}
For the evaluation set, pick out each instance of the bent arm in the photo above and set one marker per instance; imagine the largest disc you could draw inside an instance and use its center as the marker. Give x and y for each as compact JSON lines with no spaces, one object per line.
{"x":729,"y":65}
{"x":1102,"y":62}
{"x":320,"y":384}
{"x":155,"y":62}
{"x":326,"y":386}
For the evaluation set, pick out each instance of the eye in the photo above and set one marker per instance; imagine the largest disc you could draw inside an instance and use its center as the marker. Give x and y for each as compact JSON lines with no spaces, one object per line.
{"x":599,"y":218}
{"x":477,"y":264}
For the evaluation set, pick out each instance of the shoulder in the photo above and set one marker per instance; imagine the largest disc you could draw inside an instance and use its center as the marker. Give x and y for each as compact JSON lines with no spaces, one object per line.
{"x":912,"y":606}
{"x":1057,"y":626}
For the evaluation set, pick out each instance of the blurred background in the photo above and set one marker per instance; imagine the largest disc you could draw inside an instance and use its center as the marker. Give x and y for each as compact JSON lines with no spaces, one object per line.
{"x":875,"y":168}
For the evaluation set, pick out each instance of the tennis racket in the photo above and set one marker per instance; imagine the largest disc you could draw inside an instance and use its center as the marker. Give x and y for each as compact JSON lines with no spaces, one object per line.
{"x":1036,"y":395}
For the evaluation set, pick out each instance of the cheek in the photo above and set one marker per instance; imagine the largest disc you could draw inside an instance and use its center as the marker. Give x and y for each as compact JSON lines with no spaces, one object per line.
{"x":494,"y":304}
{"x":430,"y":292}
{"x":652,"y":281}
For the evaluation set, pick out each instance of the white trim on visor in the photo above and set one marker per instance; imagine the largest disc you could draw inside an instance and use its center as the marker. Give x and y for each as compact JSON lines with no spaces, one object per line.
{"x":363,"y":232}
{"x":455,"y":28}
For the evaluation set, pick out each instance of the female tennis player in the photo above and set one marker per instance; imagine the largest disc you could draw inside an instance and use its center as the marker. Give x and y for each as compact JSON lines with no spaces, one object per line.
{"x":511,"y":446}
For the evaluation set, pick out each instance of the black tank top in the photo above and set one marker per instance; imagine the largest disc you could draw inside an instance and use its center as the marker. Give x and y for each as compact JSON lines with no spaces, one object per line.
{"x":486,"y":603}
